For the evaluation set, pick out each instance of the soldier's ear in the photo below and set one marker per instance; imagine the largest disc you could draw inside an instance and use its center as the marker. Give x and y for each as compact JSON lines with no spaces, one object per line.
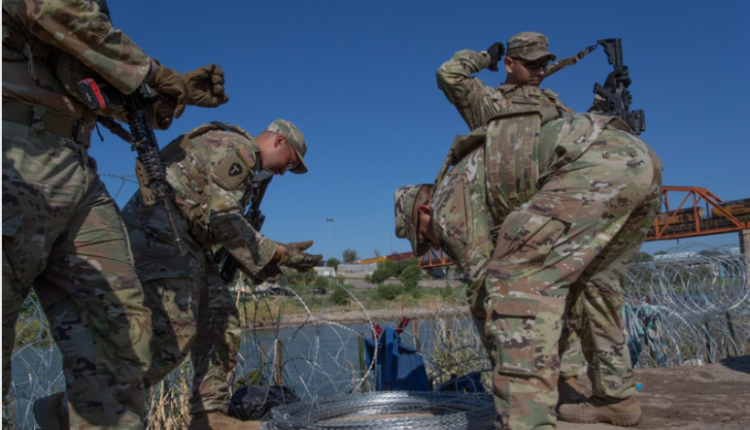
{"x":508,"y":64}
{"x":424,"y":209}
{"x":279,"y":140}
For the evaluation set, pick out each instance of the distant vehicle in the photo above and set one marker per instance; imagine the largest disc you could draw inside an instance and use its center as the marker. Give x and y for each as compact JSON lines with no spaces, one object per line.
{"x":279,"y":291}
{"x":322,"y":291}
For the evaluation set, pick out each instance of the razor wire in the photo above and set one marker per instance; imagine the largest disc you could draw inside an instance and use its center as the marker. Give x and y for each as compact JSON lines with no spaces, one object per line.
{"x":701,"y":301}
{"x":445,"y":411}
{"x":701,"y":304}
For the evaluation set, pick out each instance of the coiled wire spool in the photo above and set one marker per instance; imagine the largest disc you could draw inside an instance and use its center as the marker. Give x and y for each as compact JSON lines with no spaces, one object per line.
{"x":452,"y":411}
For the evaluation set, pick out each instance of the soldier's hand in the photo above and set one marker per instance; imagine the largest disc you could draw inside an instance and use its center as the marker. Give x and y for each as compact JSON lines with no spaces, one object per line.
{"x":296,"y":259}
{"x":496,"y":52}
{"x":620,"y":75}
{"x":205,"y":86}
{"x":270,"y":273}
{"x":170,"y":85}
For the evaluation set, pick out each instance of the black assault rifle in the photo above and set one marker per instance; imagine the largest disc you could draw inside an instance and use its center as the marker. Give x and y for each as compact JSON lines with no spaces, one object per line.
{"x":150,"y":167}
{"x":254,"y":216}
{"x":618,"y":102}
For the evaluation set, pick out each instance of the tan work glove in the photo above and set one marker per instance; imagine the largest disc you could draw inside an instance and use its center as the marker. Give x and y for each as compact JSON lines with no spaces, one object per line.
{"x":171,"y":86}
{"x":296,"y":259}
{"x":205,"y":86}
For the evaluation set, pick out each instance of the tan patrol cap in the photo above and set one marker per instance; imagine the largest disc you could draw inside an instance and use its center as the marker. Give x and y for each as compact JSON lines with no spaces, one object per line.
{"x":294,"y":137}
{"x":405,"y":199}
{"x":529,"y":46}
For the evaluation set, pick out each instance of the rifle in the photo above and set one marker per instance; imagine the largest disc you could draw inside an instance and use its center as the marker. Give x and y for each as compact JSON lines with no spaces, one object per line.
{"x":254,"y":217}
{"x":150,"y":167}
{"x":618,"y":103}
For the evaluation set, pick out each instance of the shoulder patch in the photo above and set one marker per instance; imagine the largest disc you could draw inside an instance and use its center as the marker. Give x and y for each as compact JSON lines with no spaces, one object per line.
{"x":232,"y":171}
{"x":246,"y":157}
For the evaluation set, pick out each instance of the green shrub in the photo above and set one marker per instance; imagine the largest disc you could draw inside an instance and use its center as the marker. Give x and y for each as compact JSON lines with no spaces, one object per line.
{"x":446,"y":292}
{"x":322,"y":283}
{"x":390,"y":292}
{"x":411,"y":276}
{"x":339,"y":296}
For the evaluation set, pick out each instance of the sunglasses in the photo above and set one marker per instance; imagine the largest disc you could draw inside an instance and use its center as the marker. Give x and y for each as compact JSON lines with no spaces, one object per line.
{"x":291,"y":164}
{"x":533,"y":65}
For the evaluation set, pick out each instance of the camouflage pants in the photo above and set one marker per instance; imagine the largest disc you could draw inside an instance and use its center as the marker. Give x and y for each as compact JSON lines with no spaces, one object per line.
{"x":570,"y":347}
{"x":193,"y":314}
{"x":580,"y":232}
{"x":63,"y":234}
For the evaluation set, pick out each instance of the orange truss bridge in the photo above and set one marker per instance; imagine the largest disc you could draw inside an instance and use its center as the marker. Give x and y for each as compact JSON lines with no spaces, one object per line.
{"x":698,"y":212}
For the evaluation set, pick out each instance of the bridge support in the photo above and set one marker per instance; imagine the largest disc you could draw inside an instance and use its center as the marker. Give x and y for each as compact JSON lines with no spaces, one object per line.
{"x":745,"y":243}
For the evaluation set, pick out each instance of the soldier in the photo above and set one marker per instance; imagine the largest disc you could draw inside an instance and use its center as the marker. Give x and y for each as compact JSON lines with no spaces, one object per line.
{"x":214,"y":171}
{"x":526,"y":63}
{"x":533,"y":214}
{"x":62,"y":232}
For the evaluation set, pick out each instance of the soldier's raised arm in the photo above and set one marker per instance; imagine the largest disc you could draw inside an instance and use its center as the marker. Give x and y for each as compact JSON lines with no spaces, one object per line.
{"x":468,"y":94}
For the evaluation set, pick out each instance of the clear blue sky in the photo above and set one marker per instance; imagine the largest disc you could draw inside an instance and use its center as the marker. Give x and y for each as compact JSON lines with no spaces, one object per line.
{"x":358,"y":78}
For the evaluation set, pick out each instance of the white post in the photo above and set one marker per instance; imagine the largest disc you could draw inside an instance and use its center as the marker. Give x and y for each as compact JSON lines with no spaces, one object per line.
{"x":330,"y":220}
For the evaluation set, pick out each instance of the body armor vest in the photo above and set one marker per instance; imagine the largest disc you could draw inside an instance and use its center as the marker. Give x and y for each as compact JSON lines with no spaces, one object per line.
{"x":188,"y":172}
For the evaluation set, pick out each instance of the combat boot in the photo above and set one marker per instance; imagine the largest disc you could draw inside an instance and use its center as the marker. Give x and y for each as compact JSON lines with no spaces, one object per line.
{"x":570,"y":391}
{"x":216,"y":420}
{"x":596,"y":410}
{"x":51,"y":412}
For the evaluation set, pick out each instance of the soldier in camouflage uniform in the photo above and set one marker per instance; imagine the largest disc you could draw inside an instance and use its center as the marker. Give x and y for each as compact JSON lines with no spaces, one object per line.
{"x":526,"y":63}
{"x":62,"y":232}
{"x":214,"y":171}
{"x":533,"y":213}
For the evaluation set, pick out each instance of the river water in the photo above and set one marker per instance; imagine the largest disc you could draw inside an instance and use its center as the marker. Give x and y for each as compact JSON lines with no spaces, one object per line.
{"x":320,"y":360}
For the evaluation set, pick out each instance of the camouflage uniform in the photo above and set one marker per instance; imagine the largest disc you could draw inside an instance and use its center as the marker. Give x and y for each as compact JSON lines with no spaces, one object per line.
{"x":525,"y":243}
{"x":62,"y":232}
{"x":211,"y":171}
{"x":477,"y":103}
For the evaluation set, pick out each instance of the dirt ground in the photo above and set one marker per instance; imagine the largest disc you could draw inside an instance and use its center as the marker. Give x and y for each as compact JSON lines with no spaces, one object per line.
{"x":711,"y":397}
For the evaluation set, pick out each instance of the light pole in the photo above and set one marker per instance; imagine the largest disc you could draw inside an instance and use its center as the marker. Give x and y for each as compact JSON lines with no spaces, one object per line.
{"x":330,"y":220}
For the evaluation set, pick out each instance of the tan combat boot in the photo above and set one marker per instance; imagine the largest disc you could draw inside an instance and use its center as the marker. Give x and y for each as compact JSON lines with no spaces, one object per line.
{"x":51,"y":412}
{"x":217,"y":420}
{"x":570,"y":391}
{"x":595,"y":410}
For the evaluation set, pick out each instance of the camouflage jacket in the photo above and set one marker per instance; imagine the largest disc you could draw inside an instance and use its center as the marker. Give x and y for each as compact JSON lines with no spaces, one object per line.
{"x":477,"y":102}
{"x":210,"y":171}
{"x":465,"y":208}
{"x":35,"y":32}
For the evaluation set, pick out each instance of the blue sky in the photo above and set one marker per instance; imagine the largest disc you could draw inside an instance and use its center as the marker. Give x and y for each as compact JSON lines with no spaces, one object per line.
{"x":358,"y":78}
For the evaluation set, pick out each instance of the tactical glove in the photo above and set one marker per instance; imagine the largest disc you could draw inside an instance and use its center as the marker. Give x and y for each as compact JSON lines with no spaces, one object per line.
{"x":496,"y":52}
{"x":171,"y":86}
{"x":296,"y":259}
{"x":270,"y":273}
{"x":205,"y":86}
{"x":617,"y":76}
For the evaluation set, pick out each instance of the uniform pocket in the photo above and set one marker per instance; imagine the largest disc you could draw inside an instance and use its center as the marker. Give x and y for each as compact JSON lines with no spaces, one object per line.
{"x":528,"y":235}
{"x":513,"y":326}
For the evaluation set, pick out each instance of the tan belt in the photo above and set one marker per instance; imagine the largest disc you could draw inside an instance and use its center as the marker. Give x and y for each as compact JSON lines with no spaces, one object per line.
{"x":53,"y":123}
